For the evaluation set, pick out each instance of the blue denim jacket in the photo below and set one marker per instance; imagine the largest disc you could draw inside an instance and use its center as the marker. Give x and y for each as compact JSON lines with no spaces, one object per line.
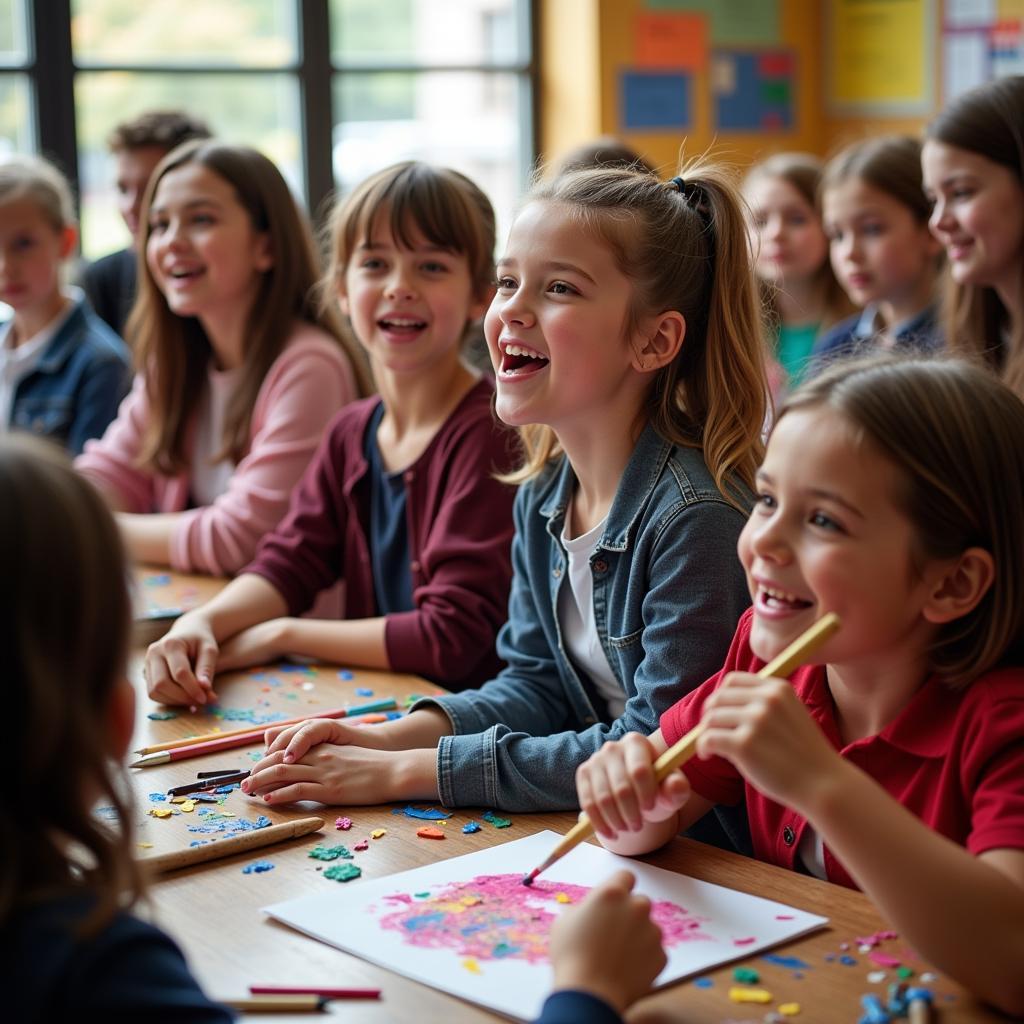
{"x":668,"y":592}
{"x":77,"y":385}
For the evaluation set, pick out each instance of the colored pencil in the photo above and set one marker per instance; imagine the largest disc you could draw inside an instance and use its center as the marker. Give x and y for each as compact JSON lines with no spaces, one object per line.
{"x":681,"y":752}
{"x":315,"y":990}
{"x":161,"y":753}
{"x":202,"y":784}
{"x":278,"y":1004}
{"x":217,"y":848}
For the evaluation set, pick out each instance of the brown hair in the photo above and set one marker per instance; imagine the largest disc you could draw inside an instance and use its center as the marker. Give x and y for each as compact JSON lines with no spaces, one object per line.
{"x":32,"y":177}
{"x":803,"y":172}
{"x":685,"y":250}
{"x":989,"y":121}
{"x":64,"y":626}
{"x":163,"y":129}
{"x":603,"y":153}
{"x":445,"y":207}
{"x":956,"y":436}
{"x":889,"y":163}
{"x":173,"y":352}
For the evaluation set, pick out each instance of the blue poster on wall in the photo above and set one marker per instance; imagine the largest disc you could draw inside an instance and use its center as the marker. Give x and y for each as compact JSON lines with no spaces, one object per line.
{"x":753,"y":91}
{"x":655,"y":100}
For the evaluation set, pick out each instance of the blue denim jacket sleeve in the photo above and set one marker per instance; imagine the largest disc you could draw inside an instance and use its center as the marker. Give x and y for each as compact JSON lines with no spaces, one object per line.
{"x":102,"y":388}
{"x":673,"y":595}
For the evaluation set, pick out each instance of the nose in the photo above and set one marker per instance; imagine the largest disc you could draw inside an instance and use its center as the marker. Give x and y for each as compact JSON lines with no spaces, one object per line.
{"x":941,"y":220}
{"x":846,"y":247}
{"x":768,"y":538}
{"x":514,"y":310}
{"x":400,"y":285}
{"x":774,"y":226}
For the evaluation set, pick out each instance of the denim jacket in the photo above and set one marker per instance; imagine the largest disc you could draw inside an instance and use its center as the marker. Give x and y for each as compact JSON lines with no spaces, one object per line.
{"x":77,"y":385}
{"x":668,"y":592}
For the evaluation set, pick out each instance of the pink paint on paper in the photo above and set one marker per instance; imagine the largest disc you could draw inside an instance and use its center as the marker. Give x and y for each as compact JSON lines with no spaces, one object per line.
{"x":744,"y":942}
{"x":494,"y":917}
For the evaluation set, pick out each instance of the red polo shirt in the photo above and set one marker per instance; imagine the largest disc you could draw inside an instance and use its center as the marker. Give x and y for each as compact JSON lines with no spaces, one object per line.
{"x":955,"y":759}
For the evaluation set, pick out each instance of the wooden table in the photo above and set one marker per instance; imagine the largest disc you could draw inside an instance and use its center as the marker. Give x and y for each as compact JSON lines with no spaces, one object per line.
{"x":213,"y":909}
{"x":160,"y":595}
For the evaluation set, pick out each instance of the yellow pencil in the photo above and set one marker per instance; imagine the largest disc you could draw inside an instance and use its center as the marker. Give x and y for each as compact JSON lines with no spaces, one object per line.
{"x":681,"y":752}
{"x":278,"y":1004}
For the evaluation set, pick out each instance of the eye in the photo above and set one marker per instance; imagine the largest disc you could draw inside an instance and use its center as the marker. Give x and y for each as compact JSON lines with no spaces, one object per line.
{"x":156,"y":226}
{"x":874,"y":229}
{"x":371,"y":263}
{"x":561,"y":288}
{"x":505,"y":284}
{"x":435,"y":267}
{"x":23,"y":243}
{"x":764,"y":502}
{"x":203,"y":219}
{"x":824,"y":522}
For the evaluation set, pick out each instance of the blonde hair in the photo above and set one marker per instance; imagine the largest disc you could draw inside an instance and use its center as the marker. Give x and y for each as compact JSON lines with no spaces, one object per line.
{"x":173,"y":352}
{"x":956,"y":436}
{"x":684,"y":249}
{"x":32,"y":177}
{"x":65,"y":576}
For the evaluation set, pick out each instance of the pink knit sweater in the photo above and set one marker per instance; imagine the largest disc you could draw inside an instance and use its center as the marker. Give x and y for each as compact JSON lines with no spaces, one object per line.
{"x":304,"y":388}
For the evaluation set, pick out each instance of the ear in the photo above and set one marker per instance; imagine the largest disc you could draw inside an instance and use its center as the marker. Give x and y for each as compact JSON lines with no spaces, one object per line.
{"x":960,"y":586}
{"x":659,"y":342}
{"x":68,"y":239}
{"x":121,"y":718}
{"x":481,"y":304}
{"x":263,"y":258}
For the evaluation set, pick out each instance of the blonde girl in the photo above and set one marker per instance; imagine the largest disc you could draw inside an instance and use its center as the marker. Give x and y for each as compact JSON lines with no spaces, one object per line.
{"x":884,"y":255}
{"x":892,"y":494}
{"x":73,"y":949}
{"x":62,"y":370}
{"x":624,"y":339}
{"x":239,"y":371}
{"x":799,"y":291}
{"x":401,"y":499}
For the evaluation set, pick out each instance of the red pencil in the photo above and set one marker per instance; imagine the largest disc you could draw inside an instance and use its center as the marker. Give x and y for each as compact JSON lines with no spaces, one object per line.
{"x":315,"y":990}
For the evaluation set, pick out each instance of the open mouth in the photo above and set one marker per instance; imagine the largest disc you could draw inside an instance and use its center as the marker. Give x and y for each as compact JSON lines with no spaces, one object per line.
{"x":185,"y":275}
{"x":401,"y":325}
{"x":517,"y":360}
{"x":780,"y":600}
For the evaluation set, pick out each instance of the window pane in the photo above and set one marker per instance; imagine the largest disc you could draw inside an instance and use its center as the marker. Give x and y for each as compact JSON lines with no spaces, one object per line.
{"x":246,"y":33}
{"x":260,"y":110}
{"x":467,"y":120}
{"x":16,"y":134}
{"x":428,"y":32}
{"x":13,"y":37}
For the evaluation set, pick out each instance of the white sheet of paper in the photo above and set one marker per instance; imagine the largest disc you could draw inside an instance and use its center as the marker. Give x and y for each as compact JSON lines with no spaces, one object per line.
{"x":732,"y":924}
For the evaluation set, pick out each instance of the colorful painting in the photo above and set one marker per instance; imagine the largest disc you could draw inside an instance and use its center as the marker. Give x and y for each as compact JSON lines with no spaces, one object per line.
{"x":469,"y":926}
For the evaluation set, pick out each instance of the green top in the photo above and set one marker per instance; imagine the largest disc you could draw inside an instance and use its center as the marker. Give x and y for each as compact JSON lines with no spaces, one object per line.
{"x":794,"y":350}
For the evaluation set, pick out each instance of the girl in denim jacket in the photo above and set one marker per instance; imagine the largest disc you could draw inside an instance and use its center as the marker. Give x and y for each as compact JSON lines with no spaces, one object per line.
{"x":625,"y":340}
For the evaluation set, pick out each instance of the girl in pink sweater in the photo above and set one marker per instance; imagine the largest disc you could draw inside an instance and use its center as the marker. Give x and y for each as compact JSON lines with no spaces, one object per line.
{"x":239,"y":372}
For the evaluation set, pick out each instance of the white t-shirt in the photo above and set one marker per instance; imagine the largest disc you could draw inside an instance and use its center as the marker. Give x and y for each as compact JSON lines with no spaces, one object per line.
{"x":812,"y":853}
{"x":576,"y":618}
{"x":210,"y":480}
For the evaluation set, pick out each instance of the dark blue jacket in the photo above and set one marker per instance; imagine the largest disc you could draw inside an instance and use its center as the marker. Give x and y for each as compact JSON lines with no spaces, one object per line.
{"x":77,"y":385}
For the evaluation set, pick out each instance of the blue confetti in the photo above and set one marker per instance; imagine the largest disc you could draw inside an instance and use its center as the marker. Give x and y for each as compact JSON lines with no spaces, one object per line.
{"x":229,"y":826}
{"x":199,"y":842}
{"x":159,"y":580}
{"x":158,"y":798}
{"x":847,"y":961}
{"x":345,"y":674}
{"x":257,"y":867}
{"x":793,"y":962}
{"x":704,"y":982}
{"x":203,"y":798}
{"x":470,"y":827}
{"x":226,"y":789}
{"x":291,"y":668}
{"x":362,"y":691}
{"x":392,"y":715}
{"x":162,"y":716}
{"x":424,"y":815}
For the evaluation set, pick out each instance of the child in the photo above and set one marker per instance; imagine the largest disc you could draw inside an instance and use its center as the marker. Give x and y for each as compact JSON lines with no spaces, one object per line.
{"x":624,"y":335}
{"x":798,"y":288}
{"x":71,"y":948}
{"x":401,"y":498}
{"x":883,"y":253}
{"x":239,"y":373}
{"x":973,"y":167}
{"x":892,"y":493}
{"x":62,"y":370}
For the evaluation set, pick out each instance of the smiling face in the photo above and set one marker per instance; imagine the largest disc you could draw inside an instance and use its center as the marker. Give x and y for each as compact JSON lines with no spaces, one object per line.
{"x":31,"y":252}
{"x":827,"y":535}
{"x":880,"y":251}
{"x":786,"y":234}
{"x":409,"y":307}
{"x":978,"y":215}
{"x":556,"y":327}
{"x":202,"y":249}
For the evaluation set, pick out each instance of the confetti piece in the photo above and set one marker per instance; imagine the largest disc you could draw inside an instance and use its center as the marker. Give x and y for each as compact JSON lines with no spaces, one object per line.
{"x":362,"y":691}
{"x":428,"y":832}
{"x":377,"y":833}
{"x":874,"y":1011}
{"x":363,"y":844}
{"x":884,"y":960}
{"x":470,"y":827}
{"x":160,"y":812}
{"x":471,"y":965}
{"x":145,"y":846}
{"x":423,"y":813}
{"x":342,"y":872}
{"x":495,"y":820}
{"x":343,"y":824}
{"x":745,"y":942}
{"x":927,"y":977}
{"x":792,"y":962}
{"x":158,"y":798}
{"x":848,"y":961}
{"x":257,"y":867}
{"x":206,"y":798}
{"x":864,"y":947}
{"x":330,"y":853}
{"x":560,"y":897}
{"x":746,"y":975}
{"x":789,"y":1009}
{"x":187,"y":806}
{"x":704,"y":982}
{"x":345,"y":674}
{"x":750,"y":995}
{"x":876,"y":977}
{"x":162,"y":716}
{"x":905,"y":972}
{"x":159,"y":580}
{"x":308,"y":686}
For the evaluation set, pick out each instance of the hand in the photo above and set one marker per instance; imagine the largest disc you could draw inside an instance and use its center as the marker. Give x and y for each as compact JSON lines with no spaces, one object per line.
{"x":608,"y":945}
{"x":256,"y":645}
{"x":618,"y":791}
{"x":179,"y":667}
{"x":764,"y":729}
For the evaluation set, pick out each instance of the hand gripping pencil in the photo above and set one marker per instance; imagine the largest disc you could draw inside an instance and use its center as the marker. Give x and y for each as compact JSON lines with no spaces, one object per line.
{"x":681,"y":752}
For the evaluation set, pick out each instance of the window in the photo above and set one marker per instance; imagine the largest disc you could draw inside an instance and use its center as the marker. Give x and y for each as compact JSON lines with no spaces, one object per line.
{"x":329,"y":89}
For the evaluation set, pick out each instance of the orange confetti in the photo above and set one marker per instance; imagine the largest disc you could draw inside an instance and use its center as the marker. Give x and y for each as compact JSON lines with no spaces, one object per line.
{"x":429,"y":832}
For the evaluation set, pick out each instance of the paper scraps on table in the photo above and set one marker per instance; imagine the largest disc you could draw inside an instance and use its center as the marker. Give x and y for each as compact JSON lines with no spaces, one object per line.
{"x":227,"y":824}
{"x":343,"y":824}
{"x":429,"y":832}
{"x":750,"y":995}
{"x":257,"y":867}
{"x":746,"y":975}
{"x":378,"y":833}
{"x":162,"y":716}
{"x":495,"y":820}
{"x":342,"y":872}
{"x":330,"y":853}
{"x":363,"y":844}
{"x":792,"y":962}
{"x":363,"y":691}
{"x":423,"y":813}
{"x":345,"y":675}
{"x":470,"y":827}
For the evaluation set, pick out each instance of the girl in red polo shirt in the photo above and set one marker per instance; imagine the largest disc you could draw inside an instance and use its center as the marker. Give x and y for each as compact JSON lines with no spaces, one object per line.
{"x":892,"y":493}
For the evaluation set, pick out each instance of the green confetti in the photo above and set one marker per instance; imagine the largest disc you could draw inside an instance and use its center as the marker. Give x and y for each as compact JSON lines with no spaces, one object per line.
{"x":746,"y":976}
{"x":330,"y":853}
{"x":343,"y":872}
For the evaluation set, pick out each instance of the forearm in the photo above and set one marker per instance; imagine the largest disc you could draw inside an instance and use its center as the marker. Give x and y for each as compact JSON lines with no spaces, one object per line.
{"x":358,"y":642}
{"x":247,"y":600}
{"x":652,"y":836}
{"x":420,"y":730}
{"x":959,"y":912}
{"x":148,"y":537}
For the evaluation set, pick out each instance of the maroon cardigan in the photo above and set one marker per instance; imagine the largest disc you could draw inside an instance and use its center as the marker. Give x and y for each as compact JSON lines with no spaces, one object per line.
{"x":459,"y":520}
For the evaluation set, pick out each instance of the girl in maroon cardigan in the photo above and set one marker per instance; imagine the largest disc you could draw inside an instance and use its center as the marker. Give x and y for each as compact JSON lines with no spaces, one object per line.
{"x":401,"y":500}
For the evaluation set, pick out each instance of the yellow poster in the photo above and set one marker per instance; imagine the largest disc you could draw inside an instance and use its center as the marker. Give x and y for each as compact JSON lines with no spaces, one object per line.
{"x":879,"y":55}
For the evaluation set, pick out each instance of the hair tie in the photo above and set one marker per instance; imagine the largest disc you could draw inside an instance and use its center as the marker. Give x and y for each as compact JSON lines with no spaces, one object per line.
{"x":679,"y":184}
